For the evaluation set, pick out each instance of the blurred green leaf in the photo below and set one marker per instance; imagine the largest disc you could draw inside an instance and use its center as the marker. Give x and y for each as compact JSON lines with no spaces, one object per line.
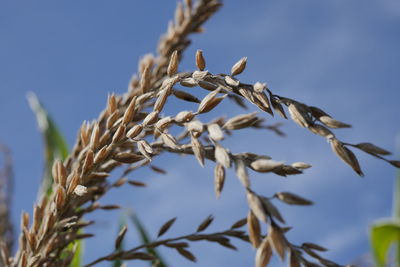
{"x":55,"y":145}
{"x":55,"y":148}
{"x":145,"y":238}
{"x":383,"y":235}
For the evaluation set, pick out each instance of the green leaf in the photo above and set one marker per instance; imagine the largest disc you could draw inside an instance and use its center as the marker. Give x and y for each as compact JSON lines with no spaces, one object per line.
{"x":55,"y":148}
{"x":382,"y":237}
{"x":55,"y":145}
{"x":145,"y":238}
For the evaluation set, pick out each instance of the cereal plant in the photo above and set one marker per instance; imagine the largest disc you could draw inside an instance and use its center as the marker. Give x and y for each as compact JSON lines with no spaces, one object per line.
{"x":134,"y":129}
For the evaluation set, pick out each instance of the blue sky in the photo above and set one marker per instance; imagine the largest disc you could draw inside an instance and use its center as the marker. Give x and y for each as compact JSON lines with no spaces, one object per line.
{"x":341,"y":56}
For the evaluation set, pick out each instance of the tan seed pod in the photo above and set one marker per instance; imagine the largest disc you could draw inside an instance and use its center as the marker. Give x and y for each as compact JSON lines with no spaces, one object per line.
{"x":73,"y":183}
{"x":84,"y":133}
{"x":207,"y":85}
{"x":219,"y":179}
{"x":145,"y":149}
{"x":292,"y":199}
{"x":129,"y":112}
{"x":151,"y":118}
{"x":62,"y":174}
{"x":259,"y":87}
{"x":212,"y":103}
{"x":372,"y":149}
{"x":173,"y":64}
{"x":200,"y":61}
{"x":265,"y":165}
{"x":239,"y":66}
{"x":95,"y":137}
{"x":241,"y":172}
{"x":299,"y":115}
{"x":166,"y":226}
{"x":257,"y":206}
{"x":313,"y":246}
{"x":332,"y":123}
{"x":163,"y":123}
{"x":184,"y":116}
{"x":120,"y":182}
{"x":195,"y":126}
{"x":185,"y":96}
{"x":60,"y":197}
{"x":278,"y":241}
{"x":254,"y":229}
{"x":101,"y":155}
{"x":187,"y":254}
{"x":271,"y":209}
{"x":294,"y":259}
{"x":25,"y":220}
{"x":205,"y":223}
{"x":198,"y":150}
{"x":346,"y":155}
{"x":264,"y":253}
{"x":145,"y":79}
{"x":161,"y":100}
{"x":199,"y":75}
{"x":179,"y":14}
{"x":126,"y":157}
{"x":111,"y":104}
{"x":134,"y":131}
{"x":88,"y":163}
{"x":189,"y":82}
{"x":169,"y":141}
{"x":278,"y":108}
{"x":231,"y":81}
{"x":207,"y":101}
{"x":265,"y":105}
{"x":215,"y":132}
{"x":301,"y":165}
{"x":120,"y":237}
{"x":222,"y":156}
{"x":241,"y":121}
{"x":119,"y":134}
{"x":112,"y":119}
{"x":321,"y":130}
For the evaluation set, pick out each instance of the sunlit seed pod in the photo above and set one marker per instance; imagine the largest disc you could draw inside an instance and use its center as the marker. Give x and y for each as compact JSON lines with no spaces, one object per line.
{"x":199,"y":75}
{"x":231,"y":81}
{"x":200,"y":61}
{"x":239,"y":66}
{"x":134,"y":131}
{"x":299,"y":115}
{"x":321,"y":130}
{"x":173,"y":64}
{"x":215,"y":132}
{"x":184,"y":116}
{"x":278,"y":241}
{"x":265,"y":165}
{"x":80,"y":190}
{"x":264,"y":253}
{"x":119,"y":134}
{"x":111,"y":104}
{"x":222,"y":156}
{"x":151,"y":118}
{"x":301,"y":165}
{"x":259,"y":87}
{"x":130,"y":111}
{"x":332,"y":123}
